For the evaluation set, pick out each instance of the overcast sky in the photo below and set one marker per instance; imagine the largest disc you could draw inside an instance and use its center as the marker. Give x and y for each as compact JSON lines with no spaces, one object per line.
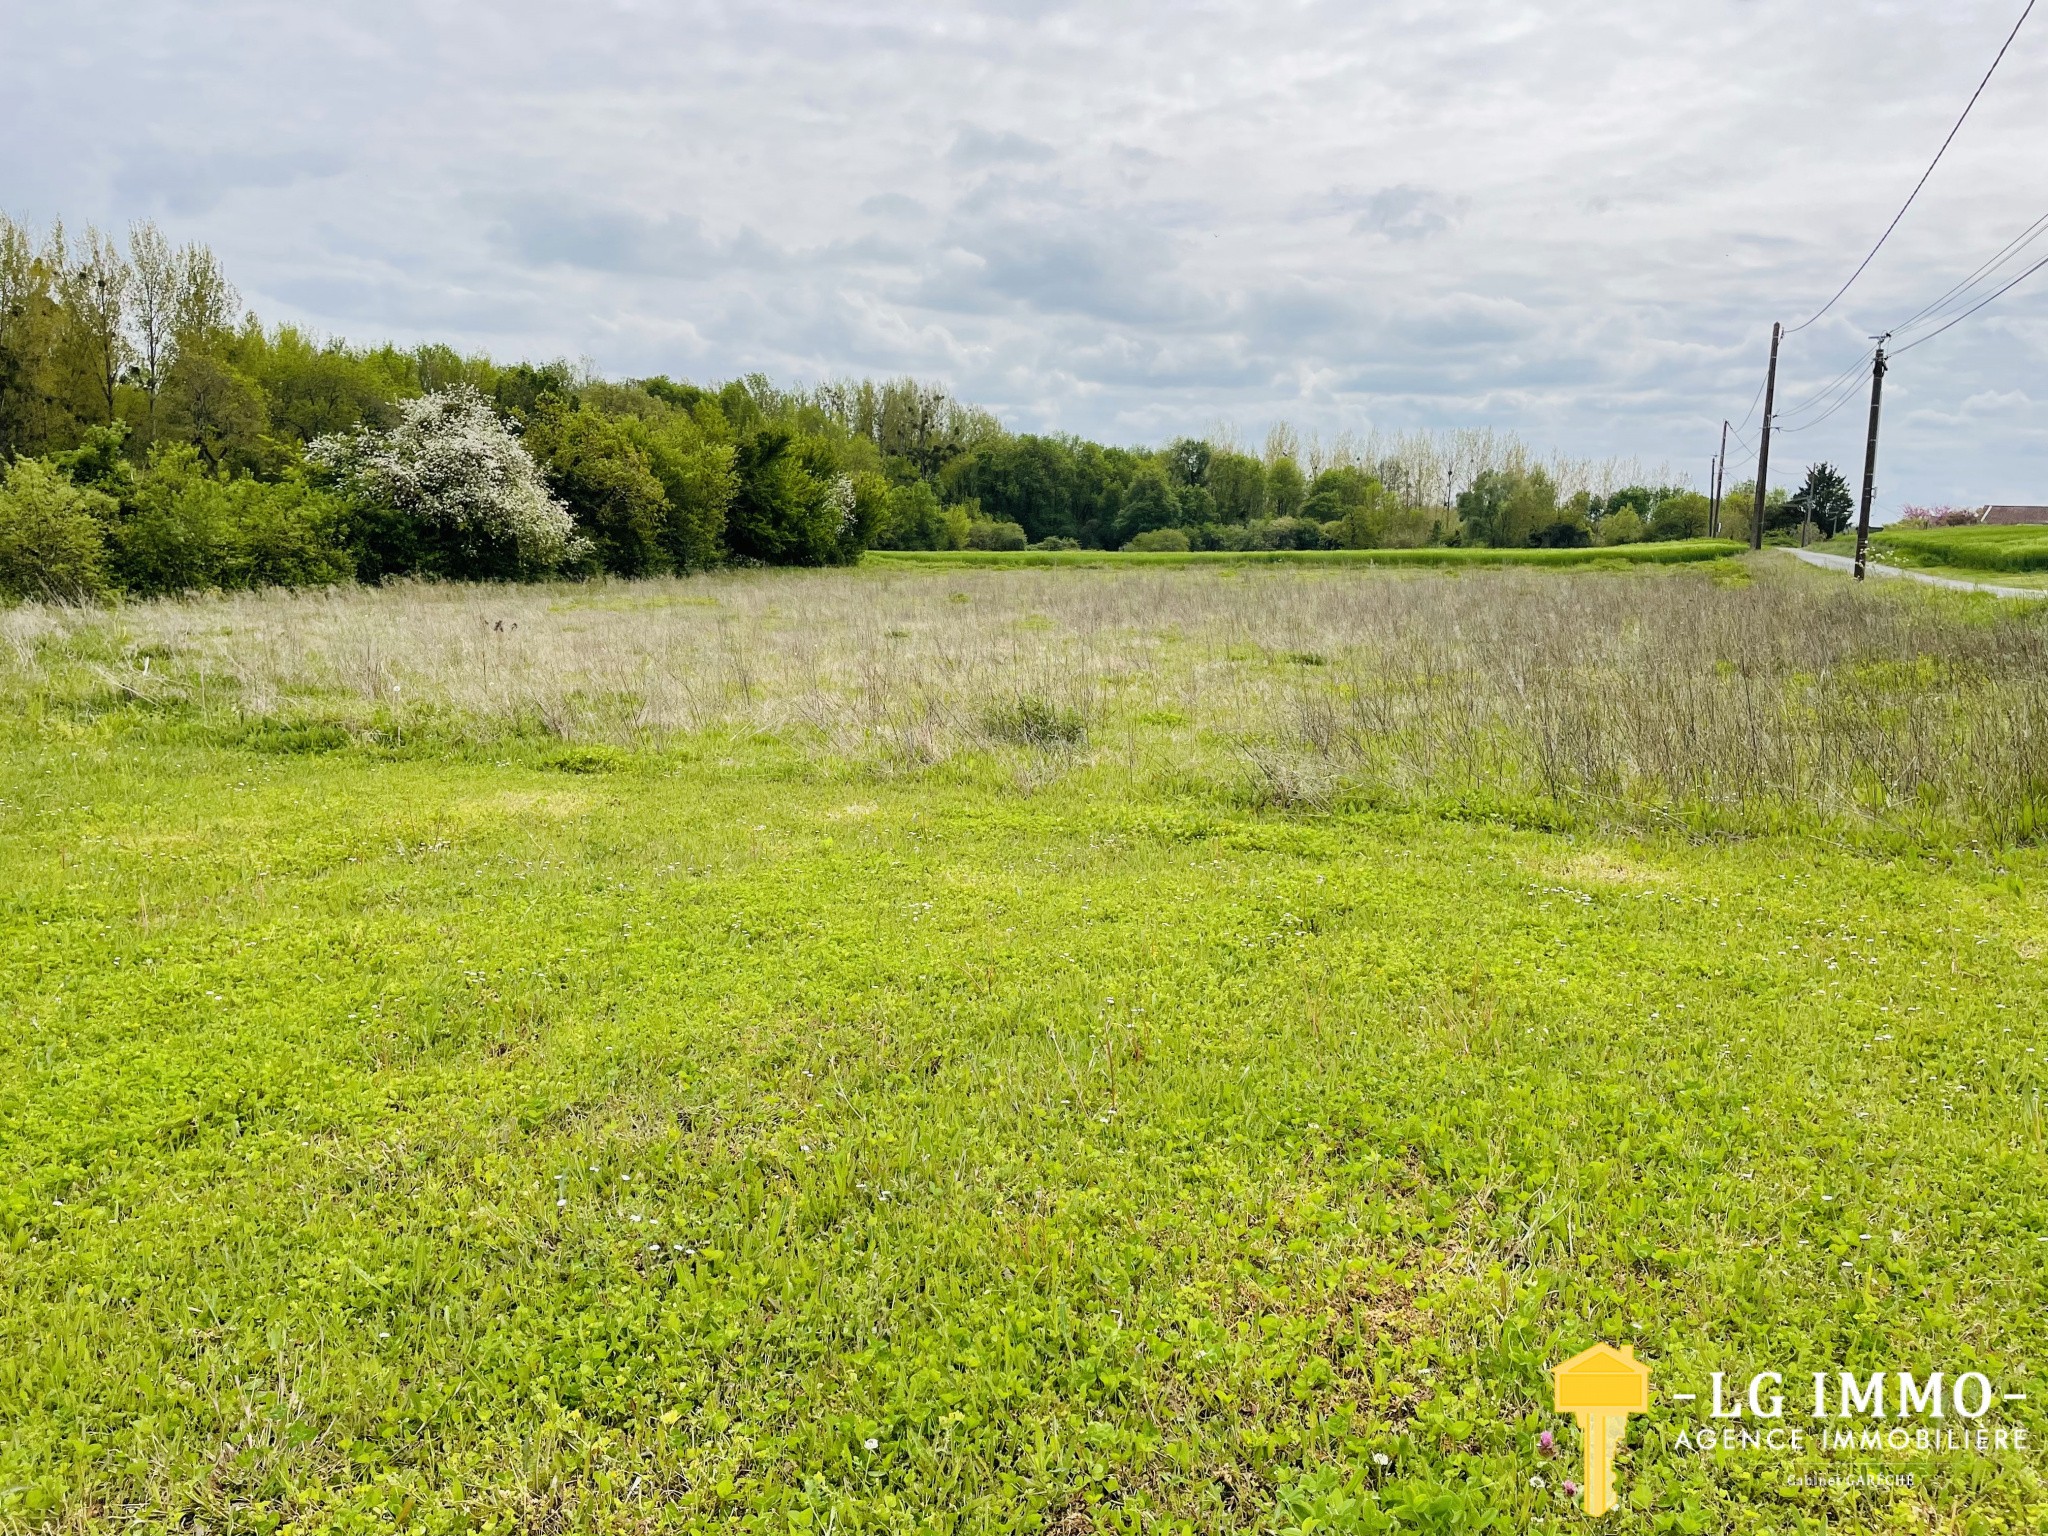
{"x":1575,"y":220}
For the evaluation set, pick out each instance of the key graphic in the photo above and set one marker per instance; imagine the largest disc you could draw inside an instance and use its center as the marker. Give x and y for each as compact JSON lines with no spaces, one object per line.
{"x":1601,"y":1387}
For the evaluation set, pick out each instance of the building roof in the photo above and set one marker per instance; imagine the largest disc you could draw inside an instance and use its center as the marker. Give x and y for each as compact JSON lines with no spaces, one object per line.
{"x":2012,"y":515}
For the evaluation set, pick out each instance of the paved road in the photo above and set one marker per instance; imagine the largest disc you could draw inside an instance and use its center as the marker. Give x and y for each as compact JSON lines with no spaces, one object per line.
{"x":1844,"y":563}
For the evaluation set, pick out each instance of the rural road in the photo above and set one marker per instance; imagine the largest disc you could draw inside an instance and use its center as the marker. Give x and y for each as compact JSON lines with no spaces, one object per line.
{"x":1844,"y":563}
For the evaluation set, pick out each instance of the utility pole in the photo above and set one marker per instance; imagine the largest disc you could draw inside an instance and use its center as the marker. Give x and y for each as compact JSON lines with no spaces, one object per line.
{"x":1870,"y":453}
{"x":1720,"y":479}
{"x":1763,"y":447}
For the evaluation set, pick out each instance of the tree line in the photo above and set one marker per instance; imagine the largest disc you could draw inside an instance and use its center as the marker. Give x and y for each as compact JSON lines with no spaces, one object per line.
{"x":158,"y":438}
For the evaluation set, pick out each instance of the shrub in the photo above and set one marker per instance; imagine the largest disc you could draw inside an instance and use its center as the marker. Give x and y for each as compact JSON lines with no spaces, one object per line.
{"x":915,"y":520}
{"x":597,"y":469}
{"x":1057,"y":543}
{"x":449,"y":491}
{"x":1683,"y":516}
{"x":698,"y":480}
{"x":51,"y":540}
{"x":1160,"y":541}
{"x":189,"y":527}
{"x":1284,"y":533}
{"x":1031,"y":721}
{"x":1149,"y":503}
{"x":1351,"y":507}
{"x":1939,"y":517}
{"x":1623,"y":527}
{"x":983,"y":533}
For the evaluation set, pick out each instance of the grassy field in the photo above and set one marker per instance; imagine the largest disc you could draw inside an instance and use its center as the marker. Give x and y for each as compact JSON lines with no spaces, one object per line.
{"x":1973,"y":549}
{"x":1120,"y":1050}
{"x":2014,"y":557}
{"x":1619,"y":555}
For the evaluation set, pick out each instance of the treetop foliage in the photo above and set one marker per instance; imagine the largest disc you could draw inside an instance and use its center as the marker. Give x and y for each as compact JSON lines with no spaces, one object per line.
{"x":208,"y":449}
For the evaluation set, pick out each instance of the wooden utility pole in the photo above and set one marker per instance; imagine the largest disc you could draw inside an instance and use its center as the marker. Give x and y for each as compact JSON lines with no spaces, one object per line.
{"x":1720,"y":478}
{"x":1763,"y":447}
{"x":1870,"y":453}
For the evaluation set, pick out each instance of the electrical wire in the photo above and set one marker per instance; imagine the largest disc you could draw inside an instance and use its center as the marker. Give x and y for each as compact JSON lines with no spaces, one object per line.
{"x":1802,"y":325}
{"x":2037,"y":266}
{"x":1844,"y":391}
{"x":1753,"y":403}
{"x":1826,"y":391}
{"x":2012,"y":247}
{"x":1847,"y":396}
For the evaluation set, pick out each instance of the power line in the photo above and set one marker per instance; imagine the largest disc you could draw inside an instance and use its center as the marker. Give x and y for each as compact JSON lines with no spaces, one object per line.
{"x":1752,"y":409}
{"x":1827,"y":389}
{"x":1923,"y":175}
{"x":1847,"y":396}
{"x":2037,"y":266}
{"x":2018,"y":243}
{"x":1844,"y":388}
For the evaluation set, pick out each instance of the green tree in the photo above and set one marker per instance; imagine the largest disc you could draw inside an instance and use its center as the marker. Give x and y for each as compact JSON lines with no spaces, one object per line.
{"x":189,"y":527}
{"x":1482,"y":507}
{"x":51,"y":535}
{"x":595,"y":468}
{"x":1160,"y":541}
{"x":784,"y":511}
{"x":699,"y":479}
{"x":1824,"y":497}
{"x":1187,"y":461}
{"x":312,"y":388}
{"x":1238,"y":482}
{"x":1148,"y":502}
{"x":1530,"y":508}
{"x":520,"y":389}
{"x":96,"y":285}
{"x":915,"y":520}
{"x":1194,"y":506}
{"x":1683,"y":516}
{"x":101,"y":463}
{"x":1350,"y":506}
{"x":1286,"y":487}
{"x":1738,"y":504}
{"x":1625,"y":526}
{"x":1030,"y":481}
{"x":217,"y":409}
{"x":31,"y":323}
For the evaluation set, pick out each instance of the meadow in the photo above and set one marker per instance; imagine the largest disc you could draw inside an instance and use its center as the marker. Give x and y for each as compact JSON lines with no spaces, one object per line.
{"x":2008,"y":549}
{"x":1464,"y":557}
{"x":1157,"y":1048}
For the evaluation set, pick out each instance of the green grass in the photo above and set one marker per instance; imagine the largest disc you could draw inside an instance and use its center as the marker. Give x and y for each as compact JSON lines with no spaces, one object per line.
{"x":411,"y":1131}
{"x":1970,"y":549}
{"x":1620,"y":554}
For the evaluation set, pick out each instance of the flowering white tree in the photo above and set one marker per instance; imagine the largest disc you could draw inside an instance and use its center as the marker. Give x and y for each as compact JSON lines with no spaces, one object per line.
{"x":454,"y":469}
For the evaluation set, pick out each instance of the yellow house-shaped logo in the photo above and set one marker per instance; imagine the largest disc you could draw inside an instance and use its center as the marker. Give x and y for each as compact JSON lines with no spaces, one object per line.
{"x":1601,"y":1387}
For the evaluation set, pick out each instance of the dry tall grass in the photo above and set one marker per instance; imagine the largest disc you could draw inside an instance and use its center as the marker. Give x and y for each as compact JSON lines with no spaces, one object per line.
{"x":1662,"y":690}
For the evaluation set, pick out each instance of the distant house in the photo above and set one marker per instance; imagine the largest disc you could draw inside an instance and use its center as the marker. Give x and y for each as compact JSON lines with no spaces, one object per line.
{"x":2011,"y":516}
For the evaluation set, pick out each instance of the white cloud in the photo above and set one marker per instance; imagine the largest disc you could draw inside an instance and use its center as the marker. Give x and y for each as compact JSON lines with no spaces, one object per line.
{"x":1576,"y":219}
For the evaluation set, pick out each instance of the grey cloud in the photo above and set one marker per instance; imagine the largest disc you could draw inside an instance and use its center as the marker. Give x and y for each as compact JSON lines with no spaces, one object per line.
{"x":543,"y":233}
{"x":1408,"y":213}
{"x":892,"y":205}
{"x":189,"y":182}
{"x":1076,"y":266}
{"x":974,"y":148}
